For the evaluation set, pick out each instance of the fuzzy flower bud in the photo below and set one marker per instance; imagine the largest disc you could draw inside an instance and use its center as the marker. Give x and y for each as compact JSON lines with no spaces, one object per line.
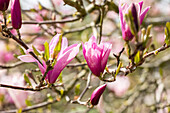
{"x":96,"y":94}
{"x":4,"y":5}
{"x":16,"y":14}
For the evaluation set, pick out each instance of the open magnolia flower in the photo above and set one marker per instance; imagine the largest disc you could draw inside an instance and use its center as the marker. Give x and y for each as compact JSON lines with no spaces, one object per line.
{"x":137,"y":14}
{"x":59,"y":53}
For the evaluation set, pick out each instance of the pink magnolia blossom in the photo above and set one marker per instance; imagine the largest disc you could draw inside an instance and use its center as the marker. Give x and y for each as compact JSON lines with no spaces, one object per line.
{"x":96,"y":55}
{"x":64,"y":57}
{"x":96,"y":94}
{"x":4,"y":5}
{"x":137,"y":14}
{"x":16,"y":14}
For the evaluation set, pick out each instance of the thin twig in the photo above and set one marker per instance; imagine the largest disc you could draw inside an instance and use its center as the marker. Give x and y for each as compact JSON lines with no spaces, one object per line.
{"x":101,"y":22}
{"x":156,"y":51}
{"x":40,"y":105}
{"x":7,"y":66}
{"x":22,"y":88}
{"x":77,"y":65}
{"x":50,"y":21}
{"x":87,"y":86}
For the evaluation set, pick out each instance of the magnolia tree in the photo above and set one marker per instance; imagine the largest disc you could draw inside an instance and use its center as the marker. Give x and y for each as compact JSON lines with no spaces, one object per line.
{"x":84,"y":56}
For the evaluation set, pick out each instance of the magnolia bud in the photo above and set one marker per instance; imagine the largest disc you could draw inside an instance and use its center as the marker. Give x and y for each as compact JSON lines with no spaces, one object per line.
{"x":4,"y":5}
{"x":96,"y":94}
{"x":135,"y":17}
{"x":16,"y":14}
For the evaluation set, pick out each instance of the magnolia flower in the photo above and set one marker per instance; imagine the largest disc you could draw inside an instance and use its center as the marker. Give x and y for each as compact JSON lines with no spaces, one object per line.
{"x":16,"y":14}
{"x":96,"y":94}
{"x":138,"y":16}
{"x":96,"y":55}
{"x":4,"y":5}
{"x":64,"y":57}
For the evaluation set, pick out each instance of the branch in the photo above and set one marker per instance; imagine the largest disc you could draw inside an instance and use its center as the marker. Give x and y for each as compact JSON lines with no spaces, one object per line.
{"x":43,"y":104}
{"x":27,"y":88}
{"x":77,"y":5}
{"x":8,"y":34}
{"x":77,"y":65}
{"x":22,"y":88}
{"x":101,"y":22}
{"x":156,"y":21}
{"x":50,"y":21}
{"x":164,"y":47}
{"x":77,"y":29}
{"x":7,"y":66}
{"x":84,"y":91}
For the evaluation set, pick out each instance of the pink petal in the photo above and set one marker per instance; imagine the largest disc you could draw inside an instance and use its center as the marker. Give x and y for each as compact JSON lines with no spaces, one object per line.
{"x":29,"y":58}
{"x":61,"y":63}
{"x":26,"y":58}
{"x":105,"y":56}
{"x":92,"y":39}
{"x":121,"y":19}
{"x":64,"y":51}
{"x":94,"y":61}
{"x":142,"y":15}
{"x":84,"y":50}
{"x":42,"y":68}
{"x":64,"y":44}
{"x":140,"y":4}
{"x":53,"y":43}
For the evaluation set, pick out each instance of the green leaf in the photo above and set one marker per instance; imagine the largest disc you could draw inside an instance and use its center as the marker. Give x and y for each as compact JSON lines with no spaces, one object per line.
{"x":27,"y":80}
{"x":148,"y":31}
{"x":60,"y":77}
{"x":137,"y":57}
{"x":33,"y":10}
{"x":28,"y":103}
{"x":35,"y":51}
{"x":61,"y":92}
{"x":40,"y":6}
{"x":9,"y":18}
{"x":146,"y":37}
{"x":15,"y":55}
{"x":19,"y":110}
{"x":161,"y":72}
{"x":53,"y":63}
{"x":77,"y":89}
{"x":118,"y":69}
{"x":167,"y":33}
{"x":57,"y":48}
{"x":22,"y":51}
{"x":47,"y":53}
{"x":2,"y":98}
